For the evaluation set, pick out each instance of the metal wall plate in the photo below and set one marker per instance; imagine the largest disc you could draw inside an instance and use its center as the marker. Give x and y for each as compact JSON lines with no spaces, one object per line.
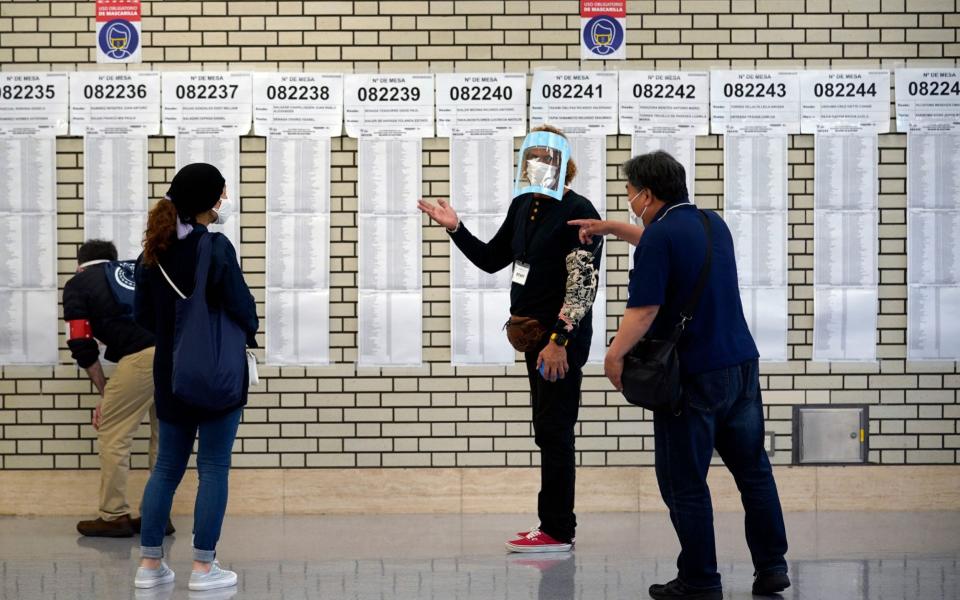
{"x":835,"y":435}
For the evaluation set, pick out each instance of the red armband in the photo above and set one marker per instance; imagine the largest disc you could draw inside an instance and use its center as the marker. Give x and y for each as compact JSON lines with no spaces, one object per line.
{"x":79,"y":329}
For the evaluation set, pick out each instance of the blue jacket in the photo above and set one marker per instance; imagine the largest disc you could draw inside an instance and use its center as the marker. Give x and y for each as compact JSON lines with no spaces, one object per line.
{"x":155,"y":310}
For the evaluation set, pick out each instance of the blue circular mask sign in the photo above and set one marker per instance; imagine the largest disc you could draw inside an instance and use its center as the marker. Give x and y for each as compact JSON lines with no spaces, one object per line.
{"x":603,"y":35}
{"x":118,"y":39}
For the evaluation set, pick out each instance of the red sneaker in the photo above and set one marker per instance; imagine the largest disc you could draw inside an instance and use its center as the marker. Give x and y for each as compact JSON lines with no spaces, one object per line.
{"x":537,"y":541}
{"x":537,"y":528}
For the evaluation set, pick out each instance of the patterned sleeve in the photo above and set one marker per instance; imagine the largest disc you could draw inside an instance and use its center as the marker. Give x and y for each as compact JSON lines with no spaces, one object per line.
{"x":582,"y":280}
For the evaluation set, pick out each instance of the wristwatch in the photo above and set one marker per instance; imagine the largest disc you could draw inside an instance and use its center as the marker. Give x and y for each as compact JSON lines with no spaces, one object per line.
{"x":560,"y":339}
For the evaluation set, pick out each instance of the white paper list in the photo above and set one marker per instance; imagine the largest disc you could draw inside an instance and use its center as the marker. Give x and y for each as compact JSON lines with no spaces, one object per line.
{"x":391,"y":325}
{"x":298,"y":244}
{"x":115,"y":191}
{"x":298,"y":330}
{"x":933,"y":246}
{"x":481,"y":185}
{"x":681,"y":147}
{"x":224,"y":154}
{"x":845,"y":323}
{"x":590,"y":155}
{"x":845,"y":243}
{"x":755,"y":208}
{"x":28,"y":180}
{"x":390,"y":289}
{"x":28,"y":245}
{"x":478,"y":317}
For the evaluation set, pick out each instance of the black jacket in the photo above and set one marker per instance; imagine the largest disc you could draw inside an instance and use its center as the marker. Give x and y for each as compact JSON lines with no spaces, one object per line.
{"x":542,"y":242}
{"x":87,"y":296}
{"x":155,"y":309}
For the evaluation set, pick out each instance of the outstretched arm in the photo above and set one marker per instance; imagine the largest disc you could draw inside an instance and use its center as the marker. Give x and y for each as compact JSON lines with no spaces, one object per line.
{"x":592,"y":227}
{"x":490,"y":256}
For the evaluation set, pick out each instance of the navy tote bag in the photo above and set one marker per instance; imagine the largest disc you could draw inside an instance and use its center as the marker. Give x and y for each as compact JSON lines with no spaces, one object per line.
{"x":209,"y":348}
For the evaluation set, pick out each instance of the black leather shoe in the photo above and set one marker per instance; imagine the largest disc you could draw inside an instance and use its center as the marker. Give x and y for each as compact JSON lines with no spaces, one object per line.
{"x":170,"y":529}
{"x":767,"y":584}
{"x":120,"y":527}
{"x":678,"y":589}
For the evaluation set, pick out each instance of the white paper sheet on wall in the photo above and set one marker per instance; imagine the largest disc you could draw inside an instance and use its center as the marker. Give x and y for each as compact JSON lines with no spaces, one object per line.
{"x":755,"y":209}
{"x":389,"y":309}
{"x":115,"y":191}
{"x":589,"y":153}
{"x":933,"y":245}
{"x":28,"y":246}
{"x":222,"y":152}
{"x":298,"y":250}
{"x":481,"y":184}
{"x":845,"y":242}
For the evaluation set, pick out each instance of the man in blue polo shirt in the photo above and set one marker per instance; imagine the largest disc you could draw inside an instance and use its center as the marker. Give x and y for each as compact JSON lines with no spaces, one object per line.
{"x":719,"y":377}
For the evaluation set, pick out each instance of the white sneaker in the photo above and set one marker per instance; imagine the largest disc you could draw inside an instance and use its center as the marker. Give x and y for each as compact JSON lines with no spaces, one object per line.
{"x":213,"y":579}
{"x":149,"y":578}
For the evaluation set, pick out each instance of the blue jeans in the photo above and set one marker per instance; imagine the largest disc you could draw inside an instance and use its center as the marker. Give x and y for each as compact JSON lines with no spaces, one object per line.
{"x":722,"y":410}
{"x":213,"y":464}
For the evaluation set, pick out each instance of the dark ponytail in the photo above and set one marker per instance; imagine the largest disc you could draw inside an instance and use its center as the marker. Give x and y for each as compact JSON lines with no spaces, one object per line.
{"x":161,"y":231}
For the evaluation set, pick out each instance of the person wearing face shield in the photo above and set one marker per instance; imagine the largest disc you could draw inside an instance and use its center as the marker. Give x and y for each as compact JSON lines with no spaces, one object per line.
{"x":721,"y":407}
{"x":176,"y":232}
{"x":555,"y":279}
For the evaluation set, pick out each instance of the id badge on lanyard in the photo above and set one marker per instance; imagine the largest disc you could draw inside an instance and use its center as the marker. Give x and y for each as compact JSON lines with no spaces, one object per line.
{"x":521,"y":271}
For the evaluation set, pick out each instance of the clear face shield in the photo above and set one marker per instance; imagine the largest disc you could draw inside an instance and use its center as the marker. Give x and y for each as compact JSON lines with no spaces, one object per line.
{"x":542,"y":167}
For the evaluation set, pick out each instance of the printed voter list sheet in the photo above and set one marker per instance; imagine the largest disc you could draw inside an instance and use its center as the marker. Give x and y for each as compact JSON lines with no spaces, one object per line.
{"x":590,"y":155}
{"x":755,"y":209}
{"x":845,"y":323}
{"x":481,"y":189}
{"x":845,"y":109}
{"x":115,"y":191}
{"x":390,"y":328}
{"x":28,"y":242}
{"x":299,"y":330}
{"x":34,"y":110}
{"x":298,"y":250}
{"x":481,"y":113}
{"x":224,"y":154}
{"x":390,"y":114}
{"x":298,"y":113}
{"x":933,"y":245}
{"x":483,"y":314}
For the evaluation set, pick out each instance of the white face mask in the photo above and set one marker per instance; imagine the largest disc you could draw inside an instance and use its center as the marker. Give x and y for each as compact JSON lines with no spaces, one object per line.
{"x":542,"y":174}
{"x":224,"y":212}
{"x":634,"y":219}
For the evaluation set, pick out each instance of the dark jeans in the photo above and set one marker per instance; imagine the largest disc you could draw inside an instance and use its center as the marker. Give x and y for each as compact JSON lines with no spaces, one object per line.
{"x":555,"y":407}
{"x":216,"y":438}
{"x":723,"y":411}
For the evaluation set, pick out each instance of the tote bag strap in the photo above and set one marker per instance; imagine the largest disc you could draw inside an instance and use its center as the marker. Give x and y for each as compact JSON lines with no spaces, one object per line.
{"x":203,"y":267}
{"x":170,"y":281}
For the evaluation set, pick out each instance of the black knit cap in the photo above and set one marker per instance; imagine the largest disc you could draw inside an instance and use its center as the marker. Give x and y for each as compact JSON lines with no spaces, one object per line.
{"x":195,"y":189}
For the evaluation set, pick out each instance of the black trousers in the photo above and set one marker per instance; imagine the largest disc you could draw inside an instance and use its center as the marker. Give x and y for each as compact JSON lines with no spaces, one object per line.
{"x":555,"y":406}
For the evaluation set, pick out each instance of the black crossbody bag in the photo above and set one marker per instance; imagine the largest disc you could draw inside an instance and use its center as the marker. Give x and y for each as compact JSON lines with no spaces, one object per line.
{"x":651,"y":370}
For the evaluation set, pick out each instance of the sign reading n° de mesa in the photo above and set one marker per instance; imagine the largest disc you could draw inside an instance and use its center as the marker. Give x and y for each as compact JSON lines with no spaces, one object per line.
{"x":118,"y":31}
{"x":603,"y":29}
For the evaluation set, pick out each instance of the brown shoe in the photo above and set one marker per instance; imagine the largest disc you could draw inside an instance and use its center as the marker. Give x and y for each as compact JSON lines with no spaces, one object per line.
{"x":169,"y":530}
{"x":117,"y":528}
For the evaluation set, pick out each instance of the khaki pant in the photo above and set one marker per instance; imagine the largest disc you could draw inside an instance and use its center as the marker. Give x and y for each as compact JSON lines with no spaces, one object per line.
{"x":126,"y":400}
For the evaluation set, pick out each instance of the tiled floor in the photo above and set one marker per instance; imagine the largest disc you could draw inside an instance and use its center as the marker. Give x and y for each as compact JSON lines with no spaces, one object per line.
{"x":833,"y":556}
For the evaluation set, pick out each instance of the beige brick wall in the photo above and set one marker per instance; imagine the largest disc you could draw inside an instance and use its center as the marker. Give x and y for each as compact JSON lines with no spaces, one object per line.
{"x":437,"y":415}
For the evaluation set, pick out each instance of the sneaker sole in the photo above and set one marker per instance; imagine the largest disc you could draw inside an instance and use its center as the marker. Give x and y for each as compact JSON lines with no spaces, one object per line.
{"x":145,"y":584}
{"x":213,"y":585}
{"x":535,"y":549}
